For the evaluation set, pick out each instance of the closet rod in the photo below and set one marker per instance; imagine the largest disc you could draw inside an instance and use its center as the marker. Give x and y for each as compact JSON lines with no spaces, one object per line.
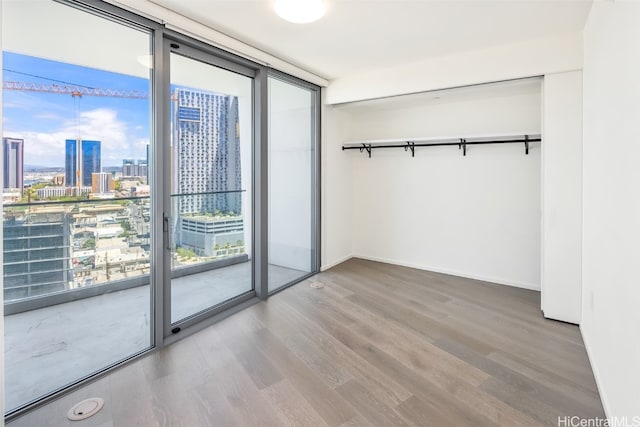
{"x":461,"y":143}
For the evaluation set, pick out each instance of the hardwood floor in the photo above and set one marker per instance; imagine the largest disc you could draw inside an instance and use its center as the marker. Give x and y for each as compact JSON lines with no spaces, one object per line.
{"x":379,"y":345}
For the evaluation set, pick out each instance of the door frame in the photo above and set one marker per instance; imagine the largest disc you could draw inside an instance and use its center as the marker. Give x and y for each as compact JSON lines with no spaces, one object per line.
{"x":166,"y":331}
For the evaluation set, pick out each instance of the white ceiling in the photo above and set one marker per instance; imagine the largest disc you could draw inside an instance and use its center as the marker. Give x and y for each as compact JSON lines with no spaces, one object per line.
{"x":359,"y":35}
{"x":519,"y":87}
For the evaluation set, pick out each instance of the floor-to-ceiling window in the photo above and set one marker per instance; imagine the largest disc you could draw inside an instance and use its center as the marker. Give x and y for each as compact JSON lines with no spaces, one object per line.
{"x":76,"y":223}
{"x":130,"y":158}
{"x":293,"y":156}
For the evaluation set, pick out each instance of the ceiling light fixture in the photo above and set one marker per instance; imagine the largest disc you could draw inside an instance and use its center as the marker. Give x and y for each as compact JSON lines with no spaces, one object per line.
{"x":300,"y":11}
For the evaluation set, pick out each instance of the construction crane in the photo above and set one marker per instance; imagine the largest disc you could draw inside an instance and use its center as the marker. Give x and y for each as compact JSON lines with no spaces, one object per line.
{"x":75,"y":91}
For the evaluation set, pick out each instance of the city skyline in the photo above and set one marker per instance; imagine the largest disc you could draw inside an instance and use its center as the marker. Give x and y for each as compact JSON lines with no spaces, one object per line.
{"x":45,"y":120}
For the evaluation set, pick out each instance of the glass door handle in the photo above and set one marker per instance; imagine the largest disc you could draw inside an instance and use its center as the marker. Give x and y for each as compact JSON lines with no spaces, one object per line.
{"x":165,"y":231}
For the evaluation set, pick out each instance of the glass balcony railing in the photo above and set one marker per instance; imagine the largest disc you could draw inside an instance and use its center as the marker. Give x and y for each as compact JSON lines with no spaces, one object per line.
{"x":58,"y":248}
{"x":206,"y":227}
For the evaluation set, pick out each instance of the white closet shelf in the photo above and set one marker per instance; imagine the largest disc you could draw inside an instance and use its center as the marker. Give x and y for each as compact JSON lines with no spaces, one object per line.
{"x":409,"y":144}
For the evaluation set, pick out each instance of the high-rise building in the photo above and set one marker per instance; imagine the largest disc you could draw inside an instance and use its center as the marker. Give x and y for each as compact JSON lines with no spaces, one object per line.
{"x":207,"y":152}
{"x":207,"y":235}
{"x":79,"y":165}
{"x":127,"y":167}
{"x":36,"y":252}
{"x":131,"y":167}
{"x":13,"y":160}
{"x":102,"y":182}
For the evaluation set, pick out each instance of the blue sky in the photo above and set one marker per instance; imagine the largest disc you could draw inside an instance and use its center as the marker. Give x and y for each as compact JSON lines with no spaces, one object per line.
{"x":46,"y":120}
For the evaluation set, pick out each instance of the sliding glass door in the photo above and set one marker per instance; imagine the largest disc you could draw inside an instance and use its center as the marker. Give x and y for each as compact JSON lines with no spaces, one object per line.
{"x":293,"y":182}
{"x":210,"y":202}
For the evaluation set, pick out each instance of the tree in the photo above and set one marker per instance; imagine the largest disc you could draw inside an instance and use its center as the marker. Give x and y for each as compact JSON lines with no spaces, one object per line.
{"x":186,"y":253}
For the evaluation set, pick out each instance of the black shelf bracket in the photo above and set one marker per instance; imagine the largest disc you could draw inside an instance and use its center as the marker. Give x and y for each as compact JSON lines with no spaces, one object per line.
{"x":365,"y":147}
{"x":526,"y":145}
{"x":463,"y":145}
{"x":411,"y":146}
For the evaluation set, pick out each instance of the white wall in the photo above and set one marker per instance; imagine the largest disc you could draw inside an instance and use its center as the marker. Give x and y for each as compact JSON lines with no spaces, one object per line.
{"x":611,"y":231}
{"x":336,"y":228}
{"x":562,"y":197}
{"x":475,"y":216}
{"x":508,"y":61}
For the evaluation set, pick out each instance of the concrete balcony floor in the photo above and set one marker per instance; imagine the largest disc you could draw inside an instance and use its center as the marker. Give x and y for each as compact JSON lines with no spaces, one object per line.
{"x":52,"y":347}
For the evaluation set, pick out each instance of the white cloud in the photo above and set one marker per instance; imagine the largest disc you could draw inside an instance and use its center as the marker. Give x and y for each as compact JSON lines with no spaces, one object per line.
{"x":102,"y":124}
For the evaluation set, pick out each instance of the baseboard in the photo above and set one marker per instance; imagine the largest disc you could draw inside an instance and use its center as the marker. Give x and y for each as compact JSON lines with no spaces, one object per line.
{"x":499,"y":281}
{"x":336,"y":262}
{"x":596,"y":376}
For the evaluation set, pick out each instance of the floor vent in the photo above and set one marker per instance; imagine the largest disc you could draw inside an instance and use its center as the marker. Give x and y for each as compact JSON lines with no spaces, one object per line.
{"x":85,"y":409}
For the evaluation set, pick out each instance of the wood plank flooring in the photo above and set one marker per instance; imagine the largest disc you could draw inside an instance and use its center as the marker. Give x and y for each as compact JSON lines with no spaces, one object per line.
{"x":379,"y":345}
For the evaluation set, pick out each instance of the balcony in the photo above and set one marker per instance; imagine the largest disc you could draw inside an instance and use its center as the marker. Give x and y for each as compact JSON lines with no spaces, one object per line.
{"x":99,"y":313}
